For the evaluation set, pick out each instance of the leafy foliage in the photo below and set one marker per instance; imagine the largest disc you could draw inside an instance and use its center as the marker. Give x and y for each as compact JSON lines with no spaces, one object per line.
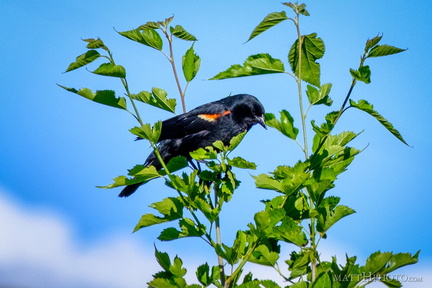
{"x":302,"y":211}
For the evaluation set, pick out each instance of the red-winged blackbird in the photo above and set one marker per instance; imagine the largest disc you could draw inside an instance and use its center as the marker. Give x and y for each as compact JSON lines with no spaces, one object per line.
{"x":202,"y":126}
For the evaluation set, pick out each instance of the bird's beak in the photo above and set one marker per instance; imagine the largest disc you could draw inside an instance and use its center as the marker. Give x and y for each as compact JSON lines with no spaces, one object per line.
{"x":261,"y":121}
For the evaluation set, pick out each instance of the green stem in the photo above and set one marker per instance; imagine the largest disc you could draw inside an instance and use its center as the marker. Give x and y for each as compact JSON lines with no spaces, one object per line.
{"x":303,"y":115}
{"x":299,"y":87}
{"x":219,"y":239}
{"x":173,"y":66}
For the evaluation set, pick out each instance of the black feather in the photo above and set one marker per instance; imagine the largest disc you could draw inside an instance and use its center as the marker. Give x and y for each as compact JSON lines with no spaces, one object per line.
{"x":202,"y":126}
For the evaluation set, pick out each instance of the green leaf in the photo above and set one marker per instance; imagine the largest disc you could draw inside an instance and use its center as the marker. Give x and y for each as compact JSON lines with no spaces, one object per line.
{"x":323,"y":281}
{"x":188,"y":229}
{"x":147,"y":220}
{"x":390,"y":282}
{"x":235,"y":141}
{"x":161,"y":283}
{"x":109,"y":69}
{"x":176,"y":163}
{"x":298,"y":9}
{"x":177,"y":268}
{"x":147,"y":132}
{"x":329,"y":213}
{"x":106,"y":97}
{"x":320,"y":96}
{"x":83,"y":60}
{"x":290,"y":231}
{"x":264,"y":256}
{"x":265,"y":181}
{"x":312,"y":49}
{"x":241,"y":163}
{"x":146,"y":36}
{"x":190,"y":64}
{"x":95,"y":43}
{"x":171,"y":208}
{"x":384,"y":50}
{"x":375,"y":262}
{"x":204,"y":154}
{"x":298,"y":265}
{"x":362,"y":74}
{"x":285,"y":125}
{"x":179,"y":32}
{"x":370,"y":43}
{"x":149,"y":25}
{"x":368,"y":108}
{"x":401,"y":259}
{"x":157,"y":98}
{"x":203,"y":274}
{"x":163,"y":259}
{"x":258,"y":64}
{"x":269,"y":21}
{"x":142,"y":171}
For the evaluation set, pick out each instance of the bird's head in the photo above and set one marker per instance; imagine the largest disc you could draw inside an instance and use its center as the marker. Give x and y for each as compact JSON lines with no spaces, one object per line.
{"x":249,"y":110}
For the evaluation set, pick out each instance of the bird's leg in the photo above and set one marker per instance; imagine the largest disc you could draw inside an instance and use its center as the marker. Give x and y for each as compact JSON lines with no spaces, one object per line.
{"x":195,"y":167}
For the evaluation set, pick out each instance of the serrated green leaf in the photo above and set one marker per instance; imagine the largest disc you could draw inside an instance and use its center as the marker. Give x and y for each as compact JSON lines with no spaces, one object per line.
{"x":95,"y":43}
{"x":401,"y":259}
{"x":262,"y":255}
{"x":210,"y":213}
{"x":204,"y":154}
{"x":266,"y":220}
{"x":109,"y":69}
{"x":320,"y":96}
{"x":300,"y":9}
{"x":285,"y":125}
{"x":171,"y":208}
{"x":322,"y":281}
{"x":163,"y":259}
{"x":188,"y":229}
{"x":148,"y":132}
{"x":290,"y":231}
{"x":177,"y":268}
{"x":149,"y":24}
{"x":203,"y":274}
{"x":375,"y":262}
{"x":157,"y":98}
{"x":362,"y":74}
{"x":83,"y":60}
{"x":147,"y":220}
{"x":370,"y":43}
{"x":179,"y":32}
{"x":311,"y":50}
{"x":258,"y":64}
{"x":146,"y":36}
{"x":161,"y":283}
{"x":144,"y":171}
{"x":241,"y":163}
{"x":390,"y":282}
{"x":329,"y":214}
{"x":190,"y":63}
{"x":384,"y":50}
{"x":265,"y":181}
{"x":176,"y":163}
{"x":368,"y":108}
{"x":269,"y":21}
{"x":106,"y":97}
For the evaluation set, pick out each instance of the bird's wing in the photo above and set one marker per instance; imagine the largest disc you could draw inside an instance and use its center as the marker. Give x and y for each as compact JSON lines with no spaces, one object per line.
{"x":202,"y":118}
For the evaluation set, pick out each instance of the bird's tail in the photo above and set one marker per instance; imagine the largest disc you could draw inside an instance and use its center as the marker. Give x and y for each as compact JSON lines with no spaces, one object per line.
{"x":129,"y":190}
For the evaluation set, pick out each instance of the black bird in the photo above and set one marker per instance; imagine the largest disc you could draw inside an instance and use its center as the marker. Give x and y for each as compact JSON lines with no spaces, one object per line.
{"x":202,"y":126}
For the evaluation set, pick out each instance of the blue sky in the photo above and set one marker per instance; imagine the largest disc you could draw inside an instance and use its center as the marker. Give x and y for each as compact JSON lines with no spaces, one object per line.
{"x":56,"y":146}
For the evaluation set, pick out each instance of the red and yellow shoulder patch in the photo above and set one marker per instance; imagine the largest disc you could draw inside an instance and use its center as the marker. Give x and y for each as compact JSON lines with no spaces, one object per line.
{"x":213,"y":117}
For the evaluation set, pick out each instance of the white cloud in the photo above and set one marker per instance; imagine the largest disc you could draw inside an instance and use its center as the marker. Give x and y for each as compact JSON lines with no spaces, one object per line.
{"x":37,"y":249}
